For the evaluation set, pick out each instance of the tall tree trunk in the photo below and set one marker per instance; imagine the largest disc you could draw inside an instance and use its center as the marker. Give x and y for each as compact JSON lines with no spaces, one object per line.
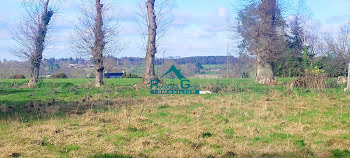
{"x":149,"y":73}
{"x":34,"y":74}
{"x":264,"y":74}
{"x":99,"y":45}
{"x":39,"y":43}
{"x":267,"y":14}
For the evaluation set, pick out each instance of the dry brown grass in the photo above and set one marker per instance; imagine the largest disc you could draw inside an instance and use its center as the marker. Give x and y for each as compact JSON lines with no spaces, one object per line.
{"x":189,"y":126}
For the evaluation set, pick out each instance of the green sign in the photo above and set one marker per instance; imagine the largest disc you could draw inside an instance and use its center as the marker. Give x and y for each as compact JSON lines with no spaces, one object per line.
{"x":185,"y":86}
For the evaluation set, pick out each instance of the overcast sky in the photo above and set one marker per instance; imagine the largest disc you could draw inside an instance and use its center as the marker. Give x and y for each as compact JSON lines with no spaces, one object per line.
{"x":199,"y":28}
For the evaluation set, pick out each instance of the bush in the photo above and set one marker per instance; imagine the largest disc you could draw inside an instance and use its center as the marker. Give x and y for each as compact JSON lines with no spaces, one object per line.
{"x":331,"y":83}
{"x":18,"y":76}
{"x":60,"y":75}
{"x":313,"y":79}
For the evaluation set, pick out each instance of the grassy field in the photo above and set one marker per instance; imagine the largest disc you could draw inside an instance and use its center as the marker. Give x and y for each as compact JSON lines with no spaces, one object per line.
{"x":70,"y":118}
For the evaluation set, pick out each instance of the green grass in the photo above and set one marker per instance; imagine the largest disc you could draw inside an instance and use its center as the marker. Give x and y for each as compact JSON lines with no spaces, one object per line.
{"x":71,"y":118}
{"x":229,"y":132}
{"x":341,"y":154}
{"x":67,"y":90}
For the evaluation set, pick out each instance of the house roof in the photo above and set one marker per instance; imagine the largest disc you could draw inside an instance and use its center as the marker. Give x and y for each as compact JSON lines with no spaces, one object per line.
{"x":114,"y":73}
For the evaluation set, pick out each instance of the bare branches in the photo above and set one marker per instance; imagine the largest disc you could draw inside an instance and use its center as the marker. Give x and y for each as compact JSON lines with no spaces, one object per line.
{"x":338,"y":45}
{"x":96,"y":34}
{"x":164,"y":20}
{"x":31,"y":35}
{"x":344,"y":40}
{"x":84,"y":36}
{"x":154,"y":21}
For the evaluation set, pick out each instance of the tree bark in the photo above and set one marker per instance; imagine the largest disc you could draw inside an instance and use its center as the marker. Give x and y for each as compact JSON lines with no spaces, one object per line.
{"x":269,"y":47}
{"x":149,"y":73}
{"x":99,"y":45}
{"x":39,"y":44}
{"x":264,"y":73}
{"x":35,"y":75}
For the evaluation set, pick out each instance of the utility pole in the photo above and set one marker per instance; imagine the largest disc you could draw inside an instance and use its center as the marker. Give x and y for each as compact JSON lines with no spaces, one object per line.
{"x":163,"y":62}
{"x":348,"y":87}
{"x":227,"y":62}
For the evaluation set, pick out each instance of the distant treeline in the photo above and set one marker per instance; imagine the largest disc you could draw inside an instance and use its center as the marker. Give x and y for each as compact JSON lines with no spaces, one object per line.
{"x":207,"y":60}
{"x":81,"y":67}
{"x":204,"y":60}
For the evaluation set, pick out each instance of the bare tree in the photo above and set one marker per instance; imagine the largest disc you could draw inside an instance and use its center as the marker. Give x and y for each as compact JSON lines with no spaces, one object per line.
{"x":96,"y":34}
{"x":336,"y":49}
{"x":260,"y":25}
{"x":111,"y":64}
{"x":338,"y":44}
{"x":157,"y":21}
{"x":343,"y":39}
{"x":31,"y":35}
